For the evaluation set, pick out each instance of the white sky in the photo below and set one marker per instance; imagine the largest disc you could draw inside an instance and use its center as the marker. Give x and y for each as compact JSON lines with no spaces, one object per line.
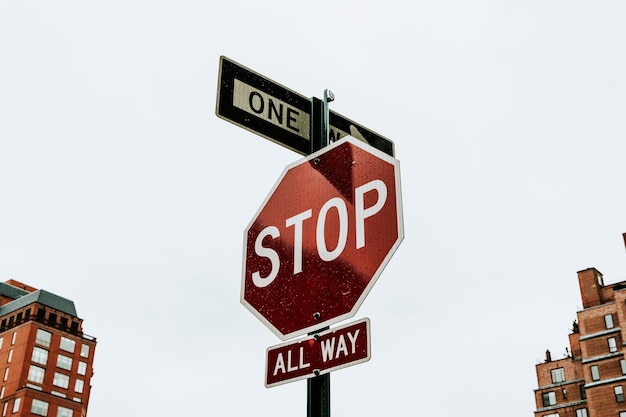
{"x":121,"y":190}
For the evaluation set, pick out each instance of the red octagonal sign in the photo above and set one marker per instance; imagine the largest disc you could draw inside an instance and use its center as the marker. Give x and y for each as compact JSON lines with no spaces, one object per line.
{"x":322,"y":237}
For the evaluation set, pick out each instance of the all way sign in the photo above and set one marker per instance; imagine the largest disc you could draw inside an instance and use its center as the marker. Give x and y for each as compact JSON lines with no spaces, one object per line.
{"x":271,"y":110}
{"x":319,"y":354}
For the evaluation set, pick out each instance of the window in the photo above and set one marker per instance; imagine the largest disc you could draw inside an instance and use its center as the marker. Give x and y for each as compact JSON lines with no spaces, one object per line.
{"x":39,"y":407}
{"x":619,"y":394}
{"x":64,"y":412}
{"x":64,"y":362}
{"x":581,"y":412}
{"x":10,"y":356}
{"x":40,"y":355}
{"x":43,"y":338}
{"x":2,"y":393}
{"x":78,"y":387}
{"x":84,"y":351}
{"x":13,"y":338}
{"x":583,"y":392}
{"x":622,"y":414}
{"x":36,"y":374}
{"x":608,"y":321}
{"x":549,"y":398}
{"x":61,"y":380}
{"x":595,"y":372}
{"x":612,"y":344}
{"x":16,"y":405}
{"x":1,"y":340}
{"x":68,"y":344}
{"x":558,"y":375}
{"x":82,"y":368}
{"x":552,"y":415}
{"x":6,"y":374}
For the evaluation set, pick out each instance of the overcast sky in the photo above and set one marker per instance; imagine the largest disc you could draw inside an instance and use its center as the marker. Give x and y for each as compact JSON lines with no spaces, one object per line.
{"x":121,"y":190}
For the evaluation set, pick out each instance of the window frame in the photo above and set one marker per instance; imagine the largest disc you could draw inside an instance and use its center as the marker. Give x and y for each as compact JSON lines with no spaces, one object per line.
{"x":559,"y":373}
{"x":61,"y":378}
{"x":612,"y":344}
{"x":65,"y":344}
{"x":39,"y":407}
{"x":16,"y":404}
{"x":61,"y":411}
{"x":45,"y":340}
{"x":548,"y":398}
{"x":582,"y":412}
{"x":76,"y":386}
{"x":36,"y":372}
{"x":84,"y":350}
{"x":38,"y":354}
{"x":82,"y":368}
{"x":595,"y":372}
{"x":618,"y":390}
{"x":64,"y":362}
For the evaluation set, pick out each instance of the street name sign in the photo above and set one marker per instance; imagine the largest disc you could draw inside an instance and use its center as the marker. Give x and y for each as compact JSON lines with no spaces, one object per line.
{"x":273,"y":111}
{"x":319,"y":354}
{"x":322,"y":237}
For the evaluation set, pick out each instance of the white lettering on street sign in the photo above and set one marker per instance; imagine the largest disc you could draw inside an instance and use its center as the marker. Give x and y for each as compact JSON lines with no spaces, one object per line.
{"x":361,"y":213}
{"x":317,"y":355}
{"x":281,"y":367}
{"x":329,"y":352}
{"x":260,"y":104}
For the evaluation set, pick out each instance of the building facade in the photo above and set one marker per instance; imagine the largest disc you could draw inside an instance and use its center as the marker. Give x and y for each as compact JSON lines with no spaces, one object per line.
{"x":591,"y":380}
{"x":46,"y":361}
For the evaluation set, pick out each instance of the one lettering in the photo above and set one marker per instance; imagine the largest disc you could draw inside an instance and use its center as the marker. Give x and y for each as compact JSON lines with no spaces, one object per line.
{"x":291,"y":118}
{"x":278,"y":112}
{"x":271,"y":109}
{"x":260,"y":104}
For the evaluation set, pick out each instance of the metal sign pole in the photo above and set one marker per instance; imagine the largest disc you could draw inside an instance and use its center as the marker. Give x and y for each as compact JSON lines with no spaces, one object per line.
{"x":318,"y":396}
{"x":318,"y":387}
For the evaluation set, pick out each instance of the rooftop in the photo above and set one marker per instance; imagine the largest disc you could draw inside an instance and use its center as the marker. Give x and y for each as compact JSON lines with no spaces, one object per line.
{"x":22,"y":298}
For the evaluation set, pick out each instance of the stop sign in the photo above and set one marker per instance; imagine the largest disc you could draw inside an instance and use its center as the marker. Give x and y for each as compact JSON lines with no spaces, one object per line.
{"x":322,"y":237}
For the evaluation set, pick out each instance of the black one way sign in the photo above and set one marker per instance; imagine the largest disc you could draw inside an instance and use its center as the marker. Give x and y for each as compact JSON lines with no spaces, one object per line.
{"x":279,"y":114}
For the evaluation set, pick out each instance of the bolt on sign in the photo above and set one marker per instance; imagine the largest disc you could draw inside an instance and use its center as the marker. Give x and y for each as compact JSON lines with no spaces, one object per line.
{"x":318,"y":355}
{"x":322,"y":237}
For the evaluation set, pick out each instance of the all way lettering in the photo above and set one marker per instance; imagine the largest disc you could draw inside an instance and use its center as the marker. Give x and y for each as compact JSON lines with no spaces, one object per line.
{"x":327,"y":351}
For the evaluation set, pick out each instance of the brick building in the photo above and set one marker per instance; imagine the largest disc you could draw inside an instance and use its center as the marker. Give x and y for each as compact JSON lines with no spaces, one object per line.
{"x":590,"y":382}
{"x":45,"y":358}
